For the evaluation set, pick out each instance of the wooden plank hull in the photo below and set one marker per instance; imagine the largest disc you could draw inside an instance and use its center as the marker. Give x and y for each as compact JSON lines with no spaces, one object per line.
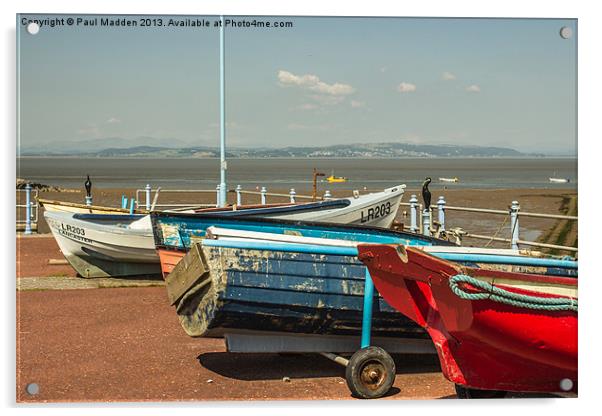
{"x":258,"y":291}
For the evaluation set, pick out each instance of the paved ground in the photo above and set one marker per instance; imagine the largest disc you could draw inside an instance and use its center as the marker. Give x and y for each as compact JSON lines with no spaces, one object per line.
{"x":126,"y":344}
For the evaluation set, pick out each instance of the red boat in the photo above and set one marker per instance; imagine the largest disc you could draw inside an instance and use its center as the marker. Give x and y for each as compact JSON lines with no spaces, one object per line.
{"x":494,"y":331}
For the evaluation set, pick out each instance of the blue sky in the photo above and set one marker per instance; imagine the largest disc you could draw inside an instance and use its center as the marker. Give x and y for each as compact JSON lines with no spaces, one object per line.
{"x":501,"y":82}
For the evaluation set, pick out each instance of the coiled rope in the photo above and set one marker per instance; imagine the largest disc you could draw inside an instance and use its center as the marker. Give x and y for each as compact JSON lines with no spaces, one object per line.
{"x":496,"y":294}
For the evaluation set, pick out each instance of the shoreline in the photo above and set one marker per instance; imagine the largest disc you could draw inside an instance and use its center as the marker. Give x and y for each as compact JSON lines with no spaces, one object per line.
{"x":85,"y":156}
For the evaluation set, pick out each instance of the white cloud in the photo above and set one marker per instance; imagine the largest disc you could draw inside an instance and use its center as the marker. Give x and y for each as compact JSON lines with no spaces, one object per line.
{"x":406,"y":87}
{"x":473,"y":88}
{"x":313,"y":83}
{"x":357,"y":104}
{"x":448,"y":76}
{"x":113,"y":120}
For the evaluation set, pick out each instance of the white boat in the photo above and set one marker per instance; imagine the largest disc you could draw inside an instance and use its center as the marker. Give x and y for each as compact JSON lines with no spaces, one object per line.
{"x":559,"y":180}
{"x":74,"y":207}
{"x":105,"y":245}
{"x":454,"y":179}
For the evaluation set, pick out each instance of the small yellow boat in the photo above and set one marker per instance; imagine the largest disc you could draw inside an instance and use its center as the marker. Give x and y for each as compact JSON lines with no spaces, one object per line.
{"x":335,"y":179}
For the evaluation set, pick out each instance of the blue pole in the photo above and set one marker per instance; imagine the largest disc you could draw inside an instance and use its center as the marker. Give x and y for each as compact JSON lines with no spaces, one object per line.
{"x":124,"y":201}
{"x":27,"y":209}
{"x":367,"y":313}
{"x":222,"y":95}
{"x":132,"y":205}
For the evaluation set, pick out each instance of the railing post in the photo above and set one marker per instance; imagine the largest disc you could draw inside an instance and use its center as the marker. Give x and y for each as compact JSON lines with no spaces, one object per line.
{"x":132,"y":202}
{"x":27,"y":209}
{"x":217,"y":190}
{"x":148,"y":196}
{"x":293,"y":193}
{"x":327,"y":195}
{"x":263,"y":193}
{"x":514,"y":226}
{"x":413,"y":213}
{"x":426,"y":222}
{"x":88,"y":200}
{"x":238,"y":195}
{"x":441,"y":212}
{"x":124,"y":201}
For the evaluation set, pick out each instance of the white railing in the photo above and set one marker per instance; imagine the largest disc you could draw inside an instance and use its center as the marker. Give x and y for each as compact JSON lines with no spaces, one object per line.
{"x":30,"y":219}
{"x":421,"y":220}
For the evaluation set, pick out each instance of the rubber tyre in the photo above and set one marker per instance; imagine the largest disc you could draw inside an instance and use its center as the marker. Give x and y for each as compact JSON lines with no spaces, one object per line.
{"x":468,"y":393}
{"x":370,"y":373}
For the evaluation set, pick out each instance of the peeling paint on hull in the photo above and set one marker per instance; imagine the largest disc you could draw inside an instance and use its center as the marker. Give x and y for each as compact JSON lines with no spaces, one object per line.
{"x":286,"y":292}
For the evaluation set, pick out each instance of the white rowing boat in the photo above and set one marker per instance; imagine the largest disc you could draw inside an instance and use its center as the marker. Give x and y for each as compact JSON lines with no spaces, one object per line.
{"x":559,"y":180}
{"x":102,"y":245}
{"x":455,"y":179}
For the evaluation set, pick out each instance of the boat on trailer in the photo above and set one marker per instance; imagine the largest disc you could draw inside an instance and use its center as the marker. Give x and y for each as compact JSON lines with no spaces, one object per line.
{"x":494,"y":331}
{"x":248,"y":282}
{"x":267,"y":291}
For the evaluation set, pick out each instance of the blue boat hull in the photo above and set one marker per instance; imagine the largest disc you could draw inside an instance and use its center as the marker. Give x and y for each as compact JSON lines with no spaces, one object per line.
{"x":256,"y":290}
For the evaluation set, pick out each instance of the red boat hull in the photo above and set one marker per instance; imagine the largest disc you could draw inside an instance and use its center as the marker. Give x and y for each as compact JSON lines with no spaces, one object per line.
{"x":482,"y":344}
{"x":169,"y":259}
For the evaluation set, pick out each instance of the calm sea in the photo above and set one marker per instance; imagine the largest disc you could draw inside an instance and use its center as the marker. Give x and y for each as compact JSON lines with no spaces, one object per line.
{"x":297,"y":173}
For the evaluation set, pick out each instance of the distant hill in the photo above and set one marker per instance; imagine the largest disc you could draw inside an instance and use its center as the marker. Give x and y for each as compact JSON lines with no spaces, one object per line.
{"x":368,"y":150}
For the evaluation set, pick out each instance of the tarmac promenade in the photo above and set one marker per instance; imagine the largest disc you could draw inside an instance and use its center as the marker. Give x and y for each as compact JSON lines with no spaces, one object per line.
{"x":116,"y":340}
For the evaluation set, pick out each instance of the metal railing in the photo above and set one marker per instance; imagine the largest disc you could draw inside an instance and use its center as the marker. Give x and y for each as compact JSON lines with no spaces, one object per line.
{"x":151,"y":198}
{"x":420,"y":221}
{"x":150,"y":201}
{"x":30,"y":220}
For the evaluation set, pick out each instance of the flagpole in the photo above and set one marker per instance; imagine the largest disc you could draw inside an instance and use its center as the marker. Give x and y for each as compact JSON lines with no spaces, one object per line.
{"x":223,"y":164}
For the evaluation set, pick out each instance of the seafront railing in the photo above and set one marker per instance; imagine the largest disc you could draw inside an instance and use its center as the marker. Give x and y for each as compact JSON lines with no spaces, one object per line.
{"x":27,"y":213}
{"x":421,"y":220}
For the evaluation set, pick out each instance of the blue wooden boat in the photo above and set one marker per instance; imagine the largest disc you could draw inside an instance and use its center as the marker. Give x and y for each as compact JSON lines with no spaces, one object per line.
{"x":284,"y":296}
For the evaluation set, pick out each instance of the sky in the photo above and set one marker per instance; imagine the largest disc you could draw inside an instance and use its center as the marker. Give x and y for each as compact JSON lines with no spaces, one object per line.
{"x":323,"y":81}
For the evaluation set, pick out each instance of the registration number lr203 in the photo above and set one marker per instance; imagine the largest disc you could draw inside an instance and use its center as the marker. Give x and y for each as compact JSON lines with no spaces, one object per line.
{"x":375,"y":212}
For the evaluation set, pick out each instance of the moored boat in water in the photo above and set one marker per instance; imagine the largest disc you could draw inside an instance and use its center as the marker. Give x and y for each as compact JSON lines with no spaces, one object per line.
{"x":559,"y":180}
{"x":453,"y":180}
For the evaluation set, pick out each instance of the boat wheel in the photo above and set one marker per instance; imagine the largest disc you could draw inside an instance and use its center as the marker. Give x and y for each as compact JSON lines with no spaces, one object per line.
{"x":370,"y":373}
{"x":468,"y":393}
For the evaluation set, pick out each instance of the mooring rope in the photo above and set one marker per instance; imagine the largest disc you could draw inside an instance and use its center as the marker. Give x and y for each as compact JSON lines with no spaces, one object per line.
{"x":496,"y":294}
